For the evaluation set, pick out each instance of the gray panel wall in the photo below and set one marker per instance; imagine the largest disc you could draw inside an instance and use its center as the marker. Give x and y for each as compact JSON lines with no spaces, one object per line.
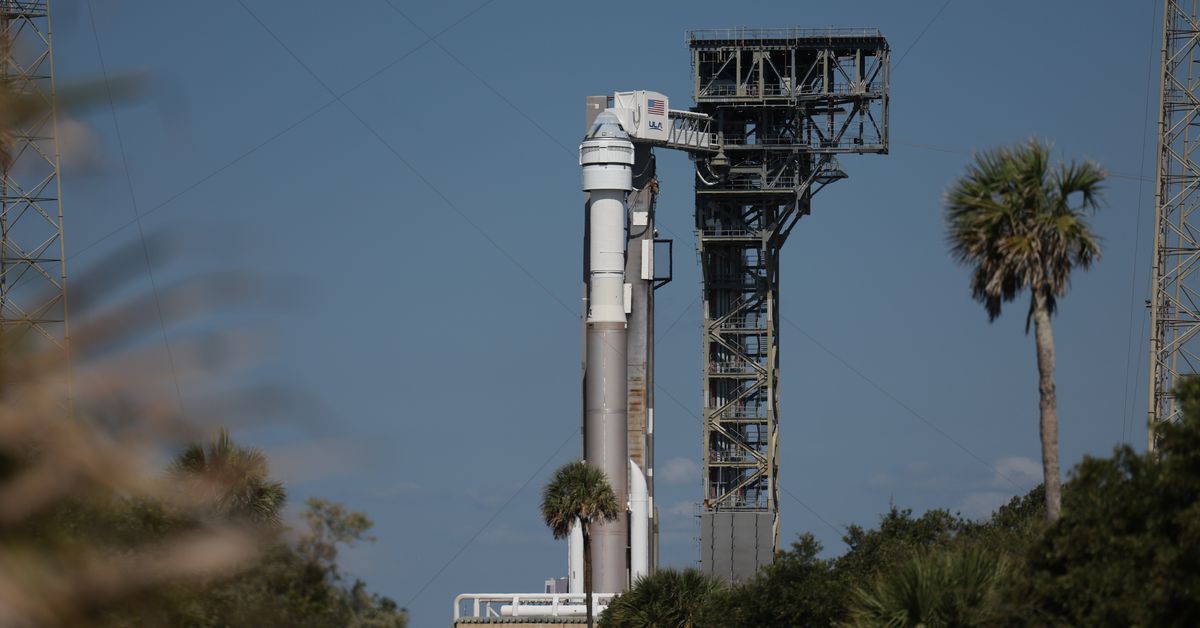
{"x":735,"y":545}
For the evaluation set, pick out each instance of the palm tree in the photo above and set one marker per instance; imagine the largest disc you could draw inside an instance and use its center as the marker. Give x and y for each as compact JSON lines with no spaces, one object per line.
{"x":665,"y":598}
{"x":579,"y":492}
{"x":1021,"y":223}
{"x":230,"y":479}
{"x":956,"y":588}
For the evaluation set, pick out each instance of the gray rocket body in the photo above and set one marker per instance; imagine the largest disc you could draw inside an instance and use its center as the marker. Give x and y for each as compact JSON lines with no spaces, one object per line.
{"x":606,"y":446}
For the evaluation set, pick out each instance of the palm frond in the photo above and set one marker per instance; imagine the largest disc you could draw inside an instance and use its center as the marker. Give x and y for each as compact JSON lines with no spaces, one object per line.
{"x":578,"y":491}
{"x":232,"y":480}
{"x":664,"y":598}
{"x":1021,"y":223}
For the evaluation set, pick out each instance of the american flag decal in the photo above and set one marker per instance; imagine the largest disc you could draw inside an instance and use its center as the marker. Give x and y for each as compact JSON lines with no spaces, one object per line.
{"x":656,"y":107}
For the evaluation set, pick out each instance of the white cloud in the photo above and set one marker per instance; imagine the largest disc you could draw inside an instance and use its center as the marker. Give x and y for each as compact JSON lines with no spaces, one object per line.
{"x":678,"y":471}
{"x":1025,"y":472}
{"x":982,"y":504}
{"x":682,"y":509}
{"x":679,"y":516}
{"x":80,"y":150}
{"x":1022,"y":471}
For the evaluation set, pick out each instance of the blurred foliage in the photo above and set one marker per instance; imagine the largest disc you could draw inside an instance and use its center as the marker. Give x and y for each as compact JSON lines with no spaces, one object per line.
{"x":231,"y":481}
{"x":143,"y":559}
{"x":94,"y":531}
{"x":116,"y":511}
{"x":288,"y":585}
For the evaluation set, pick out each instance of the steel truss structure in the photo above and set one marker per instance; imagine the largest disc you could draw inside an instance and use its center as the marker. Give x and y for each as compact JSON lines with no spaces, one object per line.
{"x":784,"y":104}
{"x":32,"y":256}
{"x":1175,"y":283}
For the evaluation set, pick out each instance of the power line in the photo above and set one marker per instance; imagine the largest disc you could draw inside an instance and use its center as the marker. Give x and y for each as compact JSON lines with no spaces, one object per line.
{"x":789,"y":493}
{"x":487,"y":523}
{"x":137,"y":218}
{"x":930,"y":424}
{"x":920,"y":35}
{"x":286,"y":129}
{"x":1127,"y":415}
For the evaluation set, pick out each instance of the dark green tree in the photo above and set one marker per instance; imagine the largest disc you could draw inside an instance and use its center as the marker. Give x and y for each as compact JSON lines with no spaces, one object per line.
{"x":898,"y":537}
{"x":579,"y":492}
{"x":330,"y":524}
{"x":1127,"y":549}
{"x":797,"y":589}
{"x":230,"y":480}
{"x":665,"y":598}
{"x":1021,"y":224}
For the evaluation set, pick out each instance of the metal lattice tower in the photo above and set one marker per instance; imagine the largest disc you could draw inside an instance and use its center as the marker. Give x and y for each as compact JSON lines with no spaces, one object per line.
{"x":32,"y":255}
{"x":1175,"y":284}
{"x":784,"y":102}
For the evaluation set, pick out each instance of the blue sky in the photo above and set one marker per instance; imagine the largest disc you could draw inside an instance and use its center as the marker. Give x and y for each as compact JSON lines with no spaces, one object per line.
{"x":422,"y":199}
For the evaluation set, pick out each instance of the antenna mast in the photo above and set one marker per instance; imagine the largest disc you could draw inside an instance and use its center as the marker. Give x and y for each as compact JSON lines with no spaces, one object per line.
{"x":1175,"y":298}
{"x":33,"y":273}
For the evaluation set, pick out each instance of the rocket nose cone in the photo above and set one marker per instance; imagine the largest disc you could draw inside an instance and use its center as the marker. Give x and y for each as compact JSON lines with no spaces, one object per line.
{"x":606,"y":126}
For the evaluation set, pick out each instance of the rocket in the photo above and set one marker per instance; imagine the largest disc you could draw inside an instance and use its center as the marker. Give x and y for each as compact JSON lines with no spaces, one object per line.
{"x":606,"y":156}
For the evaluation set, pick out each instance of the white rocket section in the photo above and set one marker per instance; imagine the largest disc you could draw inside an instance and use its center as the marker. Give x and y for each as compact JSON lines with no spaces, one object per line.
{"x":575,"y":559}
{"x":607,"y":159}
{"x":607,"y":256}
{"x":639,"y":525}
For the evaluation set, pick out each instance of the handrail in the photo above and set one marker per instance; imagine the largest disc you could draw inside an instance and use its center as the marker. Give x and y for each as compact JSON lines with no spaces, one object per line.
{"x":750,"y":90}
{"x":744,"y":33}
{"x":529,"y":604}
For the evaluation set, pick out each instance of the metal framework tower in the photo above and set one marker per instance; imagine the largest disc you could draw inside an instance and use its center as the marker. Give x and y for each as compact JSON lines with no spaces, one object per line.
{"x":33,"y":276}
{"x":785,"y":103}
{"x":1175,"y":284}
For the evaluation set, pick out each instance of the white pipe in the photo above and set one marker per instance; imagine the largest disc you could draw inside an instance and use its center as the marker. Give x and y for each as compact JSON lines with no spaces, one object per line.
{"x":575,"y":559}
{"x":639,"y":525}
{"x":527,"y":604}
{"x":542,"y":610}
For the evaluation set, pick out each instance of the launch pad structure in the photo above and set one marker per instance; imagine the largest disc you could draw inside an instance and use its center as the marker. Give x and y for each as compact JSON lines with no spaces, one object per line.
{"x":774,"y":108}
{"x":784,"y":104}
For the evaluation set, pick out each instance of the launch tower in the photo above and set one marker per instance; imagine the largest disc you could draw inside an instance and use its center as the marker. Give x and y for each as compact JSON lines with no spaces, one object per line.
{"x":784,"y":103}
{"x":1175,"y":281}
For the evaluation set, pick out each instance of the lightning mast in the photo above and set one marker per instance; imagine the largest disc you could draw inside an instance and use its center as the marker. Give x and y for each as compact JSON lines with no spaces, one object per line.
{"x":1175,"y":283}
{"x":33,"y":275}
